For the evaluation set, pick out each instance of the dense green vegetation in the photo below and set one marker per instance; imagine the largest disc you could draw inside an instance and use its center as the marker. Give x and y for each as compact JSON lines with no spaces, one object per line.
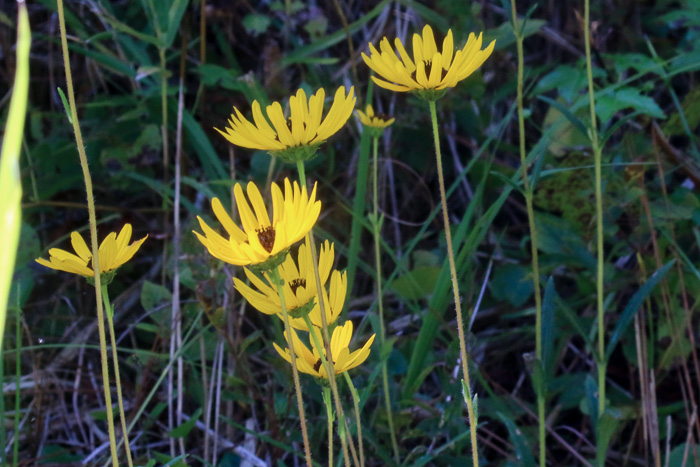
{"x":200,"y":379}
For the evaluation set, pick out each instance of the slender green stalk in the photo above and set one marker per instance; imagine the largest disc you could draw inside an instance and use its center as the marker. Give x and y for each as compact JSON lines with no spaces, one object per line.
{"x":358,"y":418}
{"x":326,"y":364}
{"x":93,"y":234}
{"x":295,"y":372}
{"x":377,"y":227}
{"x":18,"y":376}
{"x":115,"y":361}
{"x":358,"y":203}
{"x":597,"y":156}
{"x":310,"y":242}
{"x":529,"y":189}
{"x":330,"y":418}
{"x":455,"y":287}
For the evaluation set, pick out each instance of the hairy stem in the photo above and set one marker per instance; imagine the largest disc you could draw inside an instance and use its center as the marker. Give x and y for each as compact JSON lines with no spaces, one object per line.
{"x":380,"y":304}
{"x":597,"y":156}
{"x":93,"y":234}
{"x":327,"y":339}
{"x":455,"y":287}
{"x":115,"y":361}
{"x":528,"y":188}
{"x":295,"y":372}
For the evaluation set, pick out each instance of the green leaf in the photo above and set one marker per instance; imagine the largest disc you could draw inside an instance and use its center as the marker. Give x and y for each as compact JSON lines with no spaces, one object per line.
{"x":66,"y":106}
{"x":183,"y":430}
{"x":678,"y":453}
{"x":523,"y":452}
{"x":512,"y":282}
{"x":175,"y":13}
{"x":633,"y":305}
{"x":592,"y":400}
{"x":611,"y":103}
{"x":256,"y":23}
{"x":417,"y":284}
{"x":153,"y":295}
{"x":548,"y":327}
{"x":605,"y":428}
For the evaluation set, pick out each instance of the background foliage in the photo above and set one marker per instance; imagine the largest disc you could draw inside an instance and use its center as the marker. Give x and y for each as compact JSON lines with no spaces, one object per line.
{"x":237,"y":390}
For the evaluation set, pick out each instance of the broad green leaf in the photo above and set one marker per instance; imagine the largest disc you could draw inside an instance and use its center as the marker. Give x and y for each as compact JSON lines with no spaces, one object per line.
{"x":417,"y":284}
{"x":609,"y":104}
{"x":513,"y":283}
{"x":153,"y":295}
{"x":256,"y":23}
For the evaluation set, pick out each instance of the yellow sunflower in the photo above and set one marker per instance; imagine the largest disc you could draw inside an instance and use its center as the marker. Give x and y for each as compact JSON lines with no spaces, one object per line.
{"x":300,"y":293}
{"x":430,"y":72}
{"x":309,"y":361}
{"x":372,"y":120}
{"x":114,"y":251}
{"x":261,"y":244}
{"x":297,"y":137}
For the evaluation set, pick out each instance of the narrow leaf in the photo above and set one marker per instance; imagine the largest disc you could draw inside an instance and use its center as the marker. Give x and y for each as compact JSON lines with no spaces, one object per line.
{"x":633,"y":305}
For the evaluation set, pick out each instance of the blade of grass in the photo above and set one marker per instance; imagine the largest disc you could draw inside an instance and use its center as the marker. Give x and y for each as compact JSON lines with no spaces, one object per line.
{"x":10,"y":182}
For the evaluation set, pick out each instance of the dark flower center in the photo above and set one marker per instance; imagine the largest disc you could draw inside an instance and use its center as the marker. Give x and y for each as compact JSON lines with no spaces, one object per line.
{"x":266,"y":235}
{"x":319,"y":363}
{"x":296,"y":283}
{"x":382,"y":117}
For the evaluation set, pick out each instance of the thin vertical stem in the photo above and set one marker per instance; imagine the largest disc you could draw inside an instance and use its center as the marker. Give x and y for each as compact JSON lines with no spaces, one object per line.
{"x":597,"y":155}
{"x":115,"y":361}
{"x":528,"y":188}
{"x":330,"y":418}
{"x":326,"y":338}
{"x":380,"y":304}
{"x":18,"y":377}
{"x":455,"y":287}
{"x":325,"y":361}
{"x":93,"y":234}
{"x":295,"y":372}
{"x":358,"y":418}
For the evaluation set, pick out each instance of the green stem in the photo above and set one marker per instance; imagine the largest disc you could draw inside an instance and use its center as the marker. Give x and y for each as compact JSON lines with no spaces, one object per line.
{"x":93,"y":234}
{"x":597,"y":155}
{"x":358,"y":419}
{"x":18,"y":375}
{"x":326,"y":364}
{"x":295,"y":372}
{"x":455,"y":287}
{"x":310,"y":242}
{"x":115,"y":361}
{"x":331,"y":418}
{"x":380,"y":305}
{"x":528,"y":188}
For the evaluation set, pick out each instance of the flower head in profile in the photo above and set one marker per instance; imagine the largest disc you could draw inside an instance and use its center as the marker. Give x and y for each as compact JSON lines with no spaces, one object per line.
{"x":296,"y":137}
{"x":375,"y":123}
{"x":429,"y":72}
{"x":114,"y":251}
{"x":262,"y":243}
{"x":300,"y":293}
{"x":309,"y":361}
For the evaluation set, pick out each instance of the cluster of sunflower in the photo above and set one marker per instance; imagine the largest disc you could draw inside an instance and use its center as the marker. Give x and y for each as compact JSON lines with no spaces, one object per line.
{"x":296,"y":288}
